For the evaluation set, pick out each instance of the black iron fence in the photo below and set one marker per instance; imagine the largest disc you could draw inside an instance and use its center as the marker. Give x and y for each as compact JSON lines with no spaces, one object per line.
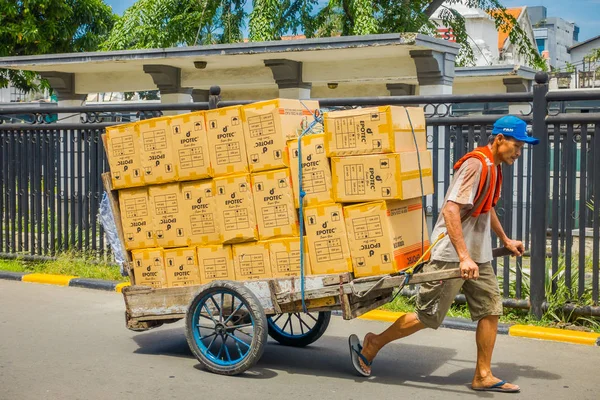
{"x":50,"y":185}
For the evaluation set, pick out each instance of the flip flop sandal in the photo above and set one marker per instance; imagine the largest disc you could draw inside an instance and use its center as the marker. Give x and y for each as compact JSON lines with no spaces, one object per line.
{"x":356,"y":355}
{"x":496,"y":387}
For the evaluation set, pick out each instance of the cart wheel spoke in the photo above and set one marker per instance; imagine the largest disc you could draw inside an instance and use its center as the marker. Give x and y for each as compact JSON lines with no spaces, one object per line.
{"x":237,"y":346}
{"x":227,"y":353}
{"x":222,"y":305}
{"x":300,"y":320}
{"x":303,"y":323}
{"x":207,"y":317}
{"x":209,"y":314}
{"x":305,"y":333}
{"x":211,"y":343}
{"x":278,"y":317}
{"x":245,"y":333}
{"x":223,"y":344}
{"x":238,"y":340}
{"x":313,"y":318}
{"x":289,"y":318}
{"x":233,"y":313}
{"x":240,"y":326}
{"x":207,"y":336}
{"x":218,"y":309}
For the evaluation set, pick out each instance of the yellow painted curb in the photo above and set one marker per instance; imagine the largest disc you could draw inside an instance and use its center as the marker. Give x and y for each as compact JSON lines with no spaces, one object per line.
{"x":558,"y":335}
{"x":120,"y":286}
{"x":62,"y":280}
{"x":380,"y":315}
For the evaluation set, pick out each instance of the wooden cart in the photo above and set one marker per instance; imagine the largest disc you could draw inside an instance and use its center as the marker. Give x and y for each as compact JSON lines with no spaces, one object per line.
{"x":227,"y":322}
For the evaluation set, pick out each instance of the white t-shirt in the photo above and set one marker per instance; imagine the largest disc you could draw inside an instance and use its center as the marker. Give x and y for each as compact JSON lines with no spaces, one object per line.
{"x":476,"y":230}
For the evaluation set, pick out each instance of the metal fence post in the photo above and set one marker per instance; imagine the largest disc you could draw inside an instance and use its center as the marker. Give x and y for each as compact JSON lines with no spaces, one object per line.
{"x":540,"y":184}
{"x":214,"y":96}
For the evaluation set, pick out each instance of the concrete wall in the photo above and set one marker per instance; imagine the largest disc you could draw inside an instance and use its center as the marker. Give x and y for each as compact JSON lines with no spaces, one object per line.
{"x":479,"y":86}
{"x":579,"y":52}
{"x":5,"y":95}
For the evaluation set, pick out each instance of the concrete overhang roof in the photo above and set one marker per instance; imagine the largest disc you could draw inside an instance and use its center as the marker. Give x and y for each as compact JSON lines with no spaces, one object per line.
{"x":339,"y":59}
{"x":466,"y":74}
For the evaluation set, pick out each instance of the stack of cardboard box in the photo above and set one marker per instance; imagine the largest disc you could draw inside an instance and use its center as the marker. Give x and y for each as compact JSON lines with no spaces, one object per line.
{"x":379,"y":159}
{"x":214,"y":194}
{"x":208,"y":195}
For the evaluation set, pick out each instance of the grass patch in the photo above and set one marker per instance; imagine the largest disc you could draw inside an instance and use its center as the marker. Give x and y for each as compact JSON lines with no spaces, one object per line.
{"x":67,"y":264}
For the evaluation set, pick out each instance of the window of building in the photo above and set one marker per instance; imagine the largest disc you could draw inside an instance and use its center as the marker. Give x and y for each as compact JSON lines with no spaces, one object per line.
{"x":16,"y":95}
{"x":541,"y":45}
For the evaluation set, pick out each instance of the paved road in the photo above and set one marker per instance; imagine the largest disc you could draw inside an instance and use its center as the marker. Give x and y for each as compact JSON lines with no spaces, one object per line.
{"x":68,"y":343}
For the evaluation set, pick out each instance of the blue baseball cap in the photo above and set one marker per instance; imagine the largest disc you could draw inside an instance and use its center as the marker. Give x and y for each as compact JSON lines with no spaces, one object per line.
{"x":513,"y":127}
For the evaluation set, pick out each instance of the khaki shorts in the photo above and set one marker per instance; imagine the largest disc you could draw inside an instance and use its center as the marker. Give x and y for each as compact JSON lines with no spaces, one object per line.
{"x":435,"y":298}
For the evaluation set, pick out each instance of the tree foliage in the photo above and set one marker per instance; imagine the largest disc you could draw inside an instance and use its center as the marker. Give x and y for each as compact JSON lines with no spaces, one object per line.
{"x":29,"y":27}
{"x":165,"y":23}
{"x":54,"y":26}
{"x":359,"y":17}
{"x":170,"y":23}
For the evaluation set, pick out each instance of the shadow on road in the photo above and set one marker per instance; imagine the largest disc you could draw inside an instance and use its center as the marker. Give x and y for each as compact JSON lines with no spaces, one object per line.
{"x":399,"y":364}
{"x":161,"y":341}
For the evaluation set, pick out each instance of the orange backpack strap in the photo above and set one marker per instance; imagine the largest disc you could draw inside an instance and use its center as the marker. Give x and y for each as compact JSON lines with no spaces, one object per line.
{"x":484,"y":185}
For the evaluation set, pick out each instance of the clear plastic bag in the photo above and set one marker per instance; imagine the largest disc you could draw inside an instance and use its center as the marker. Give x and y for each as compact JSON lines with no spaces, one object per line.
{"x":107,"y":219}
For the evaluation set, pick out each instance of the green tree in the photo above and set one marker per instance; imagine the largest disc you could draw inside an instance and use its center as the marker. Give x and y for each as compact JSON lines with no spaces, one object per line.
{"x":170,"y":23}
{"x":167,"y":23}
{"x":351,"y":17}
{"x":29,"y":27}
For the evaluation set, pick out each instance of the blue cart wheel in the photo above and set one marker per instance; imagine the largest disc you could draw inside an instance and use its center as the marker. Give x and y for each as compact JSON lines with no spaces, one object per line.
{"x":226,"y":328}
{"x":298,"y":329}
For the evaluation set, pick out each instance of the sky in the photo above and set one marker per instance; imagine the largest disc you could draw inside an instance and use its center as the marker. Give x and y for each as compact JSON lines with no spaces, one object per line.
{"x":583,"y":12}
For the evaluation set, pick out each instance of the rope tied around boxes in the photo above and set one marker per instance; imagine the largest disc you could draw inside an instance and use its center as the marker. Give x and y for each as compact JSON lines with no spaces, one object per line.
{"x":317,"y":119}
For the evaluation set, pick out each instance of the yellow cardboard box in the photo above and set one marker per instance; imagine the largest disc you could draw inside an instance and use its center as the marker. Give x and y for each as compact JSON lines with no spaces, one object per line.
{"x":391,"y":176}
{"x":384,"y":129}
{"x":269,"y":124}
{"x":123,"y":153}
{"x":235,"y":208}
{"x":385,"y":237}
{"x":216,"y":263}
{"x":192,"y":159}
{"x":316,"y":172}
{"x":285,"y":257}
{"x":274,"y":204}
{"x":200,"y":208}
{"x":149,"y":268}
{"x":327,"y":239}
{"x":227,"y":147}
{"x":171,"y":222}
{"x":252,"y":261}
{"x":181,"y":266}
{"x":157,"y":153}
{"x":136,"y":218}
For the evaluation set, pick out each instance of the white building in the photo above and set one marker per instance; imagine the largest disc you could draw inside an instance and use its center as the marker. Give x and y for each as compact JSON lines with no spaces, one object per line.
{"x":490,"y":46}
{"x":580,"y":53}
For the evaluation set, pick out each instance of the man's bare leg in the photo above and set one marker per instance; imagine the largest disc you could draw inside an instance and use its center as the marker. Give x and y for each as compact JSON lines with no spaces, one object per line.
{"x":404,"y":326}
{"x":485,"y":337}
